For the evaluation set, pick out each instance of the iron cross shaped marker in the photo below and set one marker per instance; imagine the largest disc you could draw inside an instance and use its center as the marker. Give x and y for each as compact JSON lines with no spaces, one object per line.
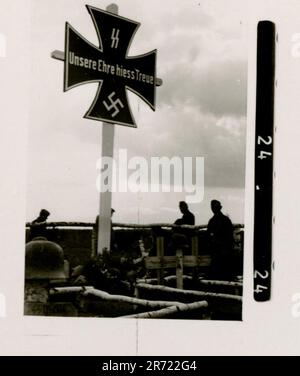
{"x":110,"y":65}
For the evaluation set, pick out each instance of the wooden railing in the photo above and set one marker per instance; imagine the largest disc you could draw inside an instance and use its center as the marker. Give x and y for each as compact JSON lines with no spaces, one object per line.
{"x":160,"y":260}
{"x":128,"y":225}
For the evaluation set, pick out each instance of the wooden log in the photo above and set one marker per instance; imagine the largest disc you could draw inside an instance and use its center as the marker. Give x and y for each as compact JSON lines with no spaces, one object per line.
{"x":69,"y":290}
{"x":130,"y":225}
{"x":168,"y":311}
{"x":170,"y":278}
{"x":235,"y":288}
{"x":191,"y":293}
{"x":179,"y":269}
{"x":220,"y":283}
{"x":149,"y":280}
{"x":156,"y":225}
{"x":195,"y":246}
{"x":127,"y":299}
{"x":169,"y":262}
{"x":204,"y":260}
{"x":207,"y":282}
{"x":87,"y":225}
{"x":160,"y":256}
{"x":190,"y":261}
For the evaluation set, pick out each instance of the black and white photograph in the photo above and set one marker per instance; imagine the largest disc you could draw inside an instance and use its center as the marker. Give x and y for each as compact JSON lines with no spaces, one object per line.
{"x":136,"y":155}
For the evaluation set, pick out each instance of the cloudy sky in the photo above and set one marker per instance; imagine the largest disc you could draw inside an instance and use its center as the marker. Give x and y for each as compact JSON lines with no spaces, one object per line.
{"x":201,"y":109}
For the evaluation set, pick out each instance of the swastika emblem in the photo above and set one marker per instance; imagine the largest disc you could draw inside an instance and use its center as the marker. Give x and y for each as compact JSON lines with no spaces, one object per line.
{"x":113,"y":105}
{"x":110,"y":66}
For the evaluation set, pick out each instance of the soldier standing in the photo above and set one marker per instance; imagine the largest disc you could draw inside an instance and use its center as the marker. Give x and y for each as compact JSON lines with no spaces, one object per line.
{"x":220,"y":238}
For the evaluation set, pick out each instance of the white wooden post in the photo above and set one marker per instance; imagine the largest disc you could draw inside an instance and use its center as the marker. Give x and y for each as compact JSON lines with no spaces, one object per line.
{"x":104,"y":228}
{"x":108,"y":131}
{"x":179,"y":268}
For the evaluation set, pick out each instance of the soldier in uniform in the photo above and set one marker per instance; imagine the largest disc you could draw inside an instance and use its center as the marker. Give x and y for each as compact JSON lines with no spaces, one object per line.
{"x":220,"y":240}
{"x":180,"y":237}
{"x":187,"y":218}
{"x":38,"y":227}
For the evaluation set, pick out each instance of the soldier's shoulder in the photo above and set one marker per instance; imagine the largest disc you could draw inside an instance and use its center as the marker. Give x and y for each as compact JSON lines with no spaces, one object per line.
{"x":227,"y":219}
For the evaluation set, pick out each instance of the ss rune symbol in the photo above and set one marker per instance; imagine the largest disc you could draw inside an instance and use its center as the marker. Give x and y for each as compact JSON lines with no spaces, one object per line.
{"x":110,"y":66}
{"x":115,"y":38}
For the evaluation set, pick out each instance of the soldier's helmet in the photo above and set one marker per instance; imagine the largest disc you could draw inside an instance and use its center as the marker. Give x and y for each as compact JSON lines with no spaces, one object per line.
{"x":44,"y":260}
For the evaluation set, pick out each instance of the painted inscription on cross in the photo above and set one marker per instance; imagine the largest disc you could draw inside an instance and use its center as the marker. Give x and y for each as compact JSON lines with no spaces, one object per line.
{"x":110,"y":66}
